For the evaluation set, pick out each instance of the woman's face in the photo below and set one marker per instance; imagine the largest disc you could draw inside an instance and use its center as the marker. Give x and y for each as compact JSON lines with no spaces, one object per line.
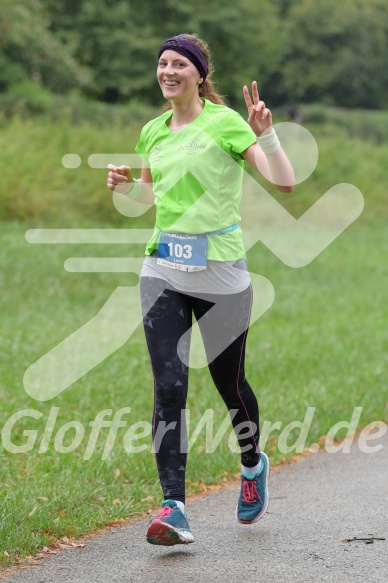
{"x":177,"y":76}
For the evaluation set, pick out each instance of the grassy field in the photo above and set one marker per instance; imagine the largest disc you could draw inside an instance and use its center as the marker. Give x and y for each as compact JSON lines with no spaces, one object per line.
{"x":322,"y":344}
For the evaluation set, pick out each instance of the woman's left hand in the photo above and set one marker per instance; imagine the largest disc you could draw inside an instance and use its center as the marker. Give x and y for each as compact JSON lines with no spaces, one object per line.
{"x":259,"y":116}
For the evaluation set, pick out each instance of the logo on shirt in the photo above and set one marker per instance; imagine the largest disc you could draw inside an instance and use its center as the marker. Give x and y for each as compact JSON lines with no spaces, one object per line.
{"x":193,"y":146}
{"x":157,"y":152}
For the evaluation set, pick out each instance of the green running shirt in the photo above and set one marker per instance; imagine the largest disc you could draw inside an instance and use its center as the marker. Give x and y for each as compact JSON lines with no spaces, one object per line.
{"x":197,"y":176}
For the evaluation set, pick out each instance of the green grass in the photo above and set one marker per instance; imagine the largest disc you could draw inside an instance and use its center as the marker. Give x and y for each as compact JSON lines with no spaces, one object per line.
{"x":322,"y":344}
{"x":37,"y":189}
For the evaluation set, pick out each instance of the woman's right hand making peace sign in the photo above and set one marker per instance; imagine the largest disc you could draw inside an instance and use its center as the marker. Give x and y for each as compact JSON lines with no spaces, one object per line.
{"x":259,"y":116}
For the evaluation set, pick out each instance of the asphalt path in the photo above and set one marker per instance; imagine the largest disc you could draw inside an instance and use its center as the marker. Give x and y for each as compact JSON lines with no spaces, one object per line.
{"x":326,"y":515}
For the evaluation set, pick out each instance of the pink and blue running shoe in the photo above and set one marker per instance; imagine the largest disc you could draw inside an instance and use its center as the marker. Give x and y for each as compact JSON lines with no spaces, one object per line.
{"x":169,"y":526}
{"x":253,"y":501}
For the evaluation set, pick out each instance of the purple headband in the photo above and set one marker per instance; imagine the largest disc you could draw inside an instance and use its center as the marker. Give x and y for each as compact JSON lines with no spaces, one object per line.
{"x":188,"y":49}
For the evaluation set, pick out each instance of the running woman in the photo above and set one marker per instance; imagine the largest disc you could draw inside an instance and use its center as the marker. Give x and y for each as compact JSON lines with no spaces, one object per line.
{"x":193,"y":156}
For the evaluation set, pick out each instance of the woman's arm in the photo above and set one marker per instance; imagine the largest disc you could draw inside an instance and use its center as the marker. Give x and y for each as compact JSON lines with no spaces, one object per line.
{"x":274,"y":166}
{"x":121,"y":180}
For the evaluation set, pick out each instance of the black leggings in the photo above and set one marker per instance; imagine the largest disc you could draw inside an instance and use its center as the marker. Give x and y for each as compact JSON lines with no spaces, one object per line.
{"x":167,"y":316}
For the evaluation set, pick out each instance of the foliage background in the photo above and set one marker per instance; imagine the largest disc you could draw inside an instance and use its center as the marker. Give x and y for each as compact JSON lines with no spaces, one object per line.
{"x":299,"y":51}
{"x":79,"y":76}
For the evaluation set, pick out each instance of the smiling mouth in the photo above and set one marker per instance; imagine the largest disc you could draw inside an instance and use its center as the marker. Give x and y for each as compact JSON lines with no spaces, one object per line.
{"x":171,"y":83}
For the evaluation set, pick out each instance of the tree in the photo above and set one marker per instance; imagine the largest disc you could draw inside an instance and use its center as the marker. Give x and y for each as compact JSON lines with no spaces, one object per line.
{"x":30,"y":51}
{"x":335,"y":51}
{"x":118,"y":40}
{"x":331,"y":51}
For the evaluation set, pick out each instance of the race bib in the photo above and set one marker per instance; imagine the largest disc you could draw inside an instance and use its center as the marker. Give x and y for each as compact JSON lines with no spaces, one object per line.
{"x":184,"y":252}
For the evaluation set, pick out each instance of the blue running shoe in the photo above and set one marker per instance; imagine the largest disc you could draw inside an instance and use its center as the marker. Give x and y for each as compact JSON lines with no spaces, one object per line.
{"x":169,"y":527}
{"x":253,"y":501}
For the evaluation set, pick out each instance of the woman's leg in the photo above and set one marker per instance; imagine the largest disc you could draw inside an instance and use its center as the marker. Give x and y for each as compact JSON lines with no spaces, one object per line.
{"x":166,"y":317}
{"x":226,"y":324}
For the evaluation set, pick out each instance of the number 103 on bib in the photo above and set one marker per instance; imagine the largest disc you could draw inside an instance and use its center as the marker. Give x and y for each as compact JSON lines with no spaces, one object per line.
{"x":178,"y":250}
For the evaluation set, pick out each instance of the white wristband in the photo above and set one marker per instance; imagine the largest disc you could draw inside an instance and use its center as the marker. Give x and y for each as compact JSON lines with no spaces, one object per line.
{"x":135,"y":189}
{"x":269,"y":143}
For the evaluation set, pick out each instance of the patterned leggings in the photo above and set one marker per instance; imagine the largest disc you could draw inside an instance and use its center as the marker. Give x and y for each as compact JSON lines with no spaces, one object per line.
{"x":167,"y":315}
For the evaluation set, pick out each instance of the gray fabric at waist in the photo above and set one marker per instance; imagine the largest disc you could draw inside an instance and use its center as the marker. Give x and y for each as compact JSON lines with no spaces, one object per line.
{"x":220,"y":277}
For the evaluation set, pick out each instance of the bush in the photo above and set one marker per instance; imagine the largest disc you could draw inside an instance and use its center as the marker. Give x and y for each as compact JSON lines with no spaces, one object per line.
{"x":365,"y":124}
{"x":26,"y":96}
{"x":26,"y":99}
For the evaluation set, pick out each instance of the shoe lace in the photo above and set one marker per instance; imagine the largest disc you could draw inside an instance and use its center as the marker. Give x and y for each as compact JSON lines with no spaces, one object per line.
{"x":165,"y":511}
{"x":249,"y":491}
